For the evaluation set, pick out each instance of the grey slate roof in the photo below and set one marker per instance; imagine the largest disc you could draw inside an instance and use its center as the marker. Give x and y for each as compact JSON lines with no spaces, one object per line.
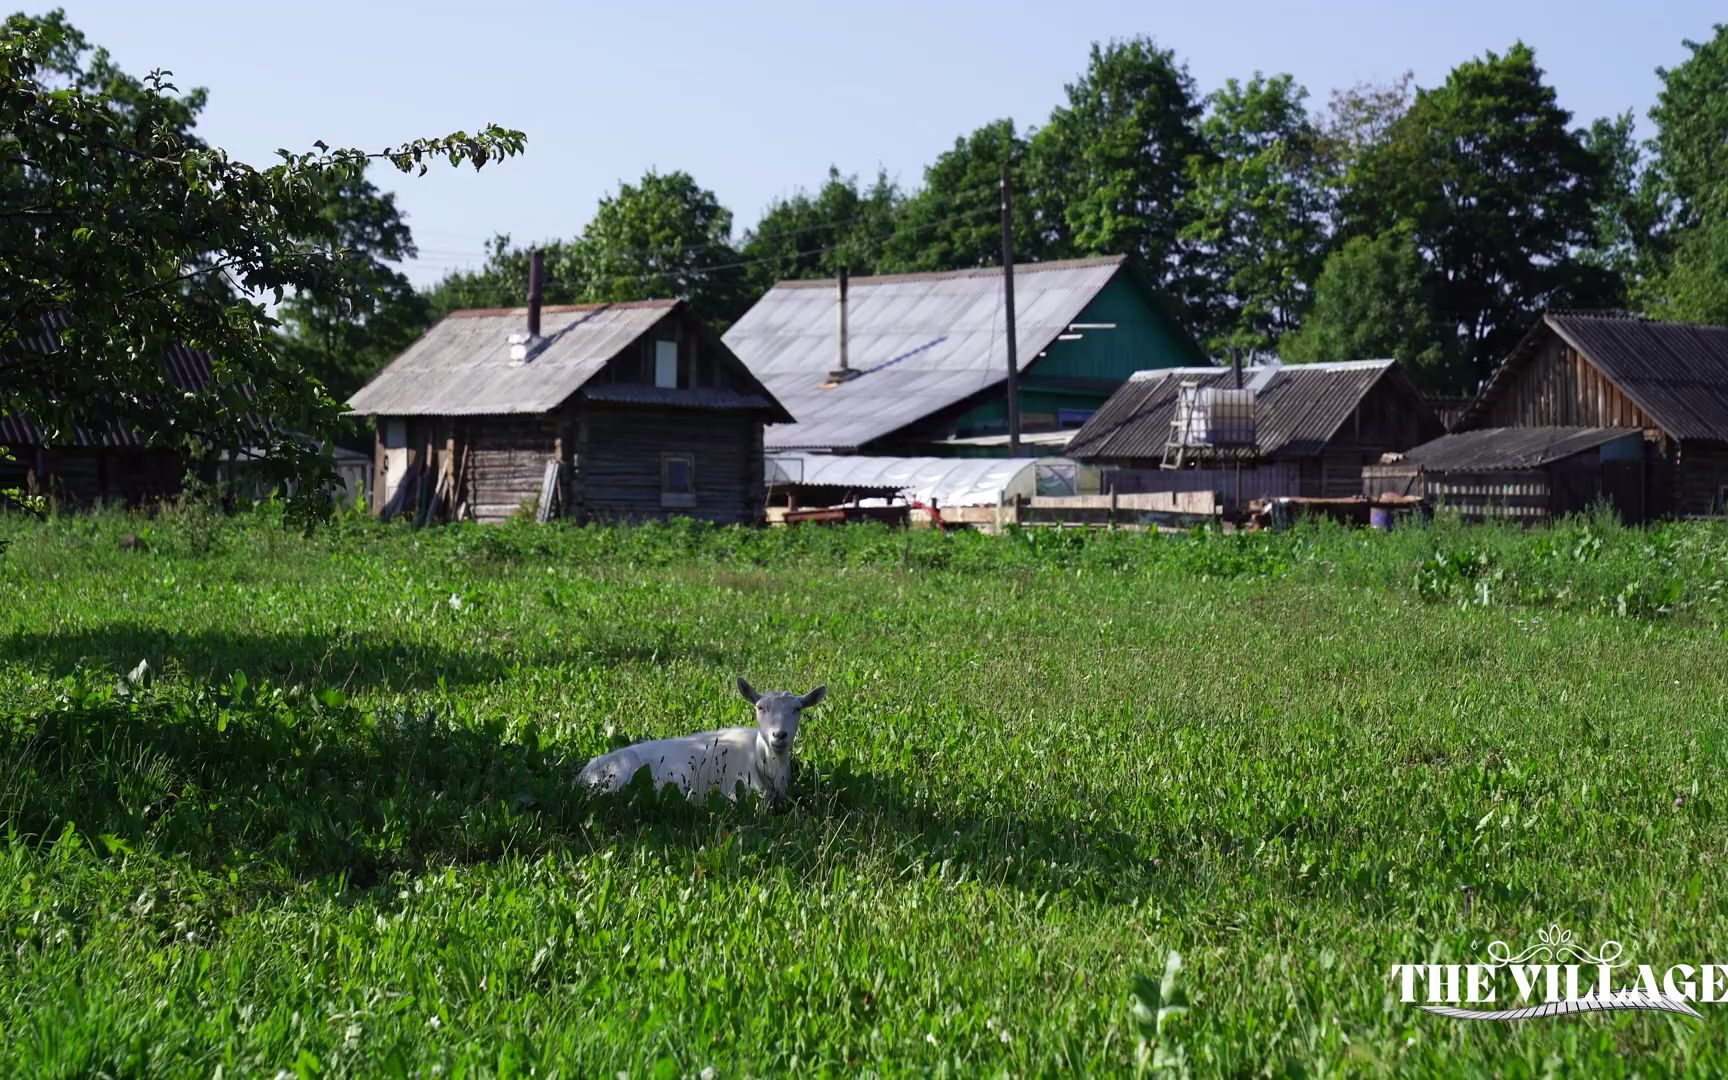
{"x":1494,"y":449}
{"x":1297,"y":411}
{"x":462,"y":366}
{"x":924,"y":342}
{"x":1675,"y":372}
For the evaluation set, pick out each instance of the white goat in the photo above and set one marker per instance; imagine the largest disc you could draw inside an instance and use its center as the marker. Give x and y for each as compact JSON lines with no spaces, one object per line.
{"x":759,"y":757}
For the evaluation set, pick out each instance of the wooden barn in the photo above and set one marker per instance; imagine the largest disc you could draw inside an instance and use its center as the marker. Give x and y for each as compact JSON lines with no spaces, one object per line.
{"x":1526,"y":475}
{"x":624,"y":411}
{"x":1608,"y":370}
{"x":104,"y":461}
{"x":1264,"y":432}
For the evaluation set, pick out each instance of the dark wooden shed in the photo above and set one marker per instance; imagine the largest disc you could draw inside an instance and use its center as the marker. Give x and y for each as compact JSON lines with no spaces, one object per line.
{"x":1526,"y":475}
{"x":1605,"y":369}
{"x":624,"y":411}
{"x":1306,"y":430}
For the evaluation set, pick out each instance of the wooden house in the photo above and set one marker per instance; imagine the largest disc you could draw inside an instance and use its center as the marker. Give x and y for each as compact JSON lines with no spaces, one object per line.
{"x":1608,"y":370}
{"x":917,"y":364}
{"x":100,"y":460}
{"x":1293,"y":430}
{"x":624,"y":411}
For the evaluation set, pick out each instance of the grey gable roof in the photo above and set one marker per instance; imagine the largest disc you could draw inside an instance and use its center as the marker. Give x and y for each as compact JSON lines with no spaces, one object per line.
{"x":1675,"y":372}
{"x":924,"y":343}
{"x":462,"y":366}
{"x":1298,"y":410}
{"x":1495,"y":449}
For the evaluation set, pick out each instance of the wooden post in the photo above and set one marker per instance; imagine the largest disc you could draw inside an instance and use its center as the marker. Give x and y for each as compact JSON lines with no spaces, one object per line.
{"x":1008,"y":314}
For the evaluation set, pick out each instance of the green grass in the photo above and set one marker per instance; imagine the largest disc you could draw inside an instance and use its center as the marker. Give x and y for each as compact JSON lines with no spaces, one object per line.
{"x":331,"y":829}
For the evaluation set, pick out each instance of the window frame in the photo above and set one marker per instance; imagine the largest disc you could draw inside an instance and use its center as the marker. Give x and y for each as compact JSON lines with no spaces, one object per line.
{"x":663,"y":351}
{"x":680,"y":499}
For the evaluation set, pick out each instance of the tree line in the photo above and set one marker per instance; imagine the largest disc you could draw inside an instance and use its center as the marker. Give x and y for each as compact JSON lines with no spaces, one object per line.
{"x":1425,"y":223}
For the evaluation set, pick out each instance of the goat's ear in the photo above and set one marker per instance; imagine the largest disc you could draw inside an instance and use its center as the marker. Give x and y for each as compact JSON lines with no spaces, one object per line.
{"x":749,"y":695}
{"x":813,"y":697}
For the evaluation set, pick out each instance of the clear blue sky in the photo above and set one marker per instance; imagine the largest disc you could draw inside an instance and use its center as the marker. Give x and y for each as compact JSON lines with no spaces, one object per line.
{"x":757,"y":99}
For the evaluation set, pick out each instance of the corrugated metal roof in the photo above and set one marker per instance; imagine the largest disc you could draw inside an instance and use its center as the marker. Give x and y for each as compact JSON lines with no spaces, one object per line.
{"x":462,"y":366}
{"x":1298,"y":409}
{"x":949,"y":481}
{"x":1493,"y":449}
{"x":1675,"y":372}
{"x":924,"y":342}
{"x":187,"y":369}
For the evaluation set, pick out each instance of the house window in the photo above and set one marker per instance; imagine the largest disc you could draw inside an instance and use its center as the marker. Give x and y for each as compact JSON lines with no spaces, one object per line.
{"x":677,"y":480}
{"x":666,"y":364}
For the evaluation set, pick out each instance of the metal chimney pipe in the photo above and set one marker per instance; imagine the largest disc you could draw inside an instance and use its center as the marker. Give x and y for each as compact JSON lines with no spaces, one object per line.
{"x":536,"y":272}
{"x":840,"y":317}
{"x":844,"y":371}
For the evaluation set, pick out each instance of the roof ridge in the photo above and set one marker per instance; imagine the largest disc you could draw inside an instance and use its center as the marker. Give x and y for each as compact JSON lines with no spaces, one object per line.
{"x":1622,"y":315}
{"x":559,"y":309}
{"x":954,"y":275}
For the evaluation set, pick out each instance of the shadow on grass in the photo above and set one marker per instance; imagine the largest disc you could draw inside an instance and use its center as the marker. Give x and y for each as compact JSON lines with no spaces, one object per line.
{"x":311,"y":786}
{"x":345,"y":659}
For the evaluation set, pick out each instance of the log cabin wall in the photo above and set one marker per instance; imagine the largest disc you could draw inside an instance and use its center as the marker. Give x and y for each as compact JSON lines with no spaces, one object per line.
{"x":80,"y":476}
{"x":1699,"y":483}
{"x":1560,"y":388}
{"x":498,"y":463}
{"x":621,"y":463}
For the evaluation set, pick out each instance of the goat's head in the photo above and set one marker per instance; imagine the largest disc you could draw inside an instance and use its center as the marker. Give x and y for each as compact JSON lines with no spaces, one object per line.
{"x":777,"y":715}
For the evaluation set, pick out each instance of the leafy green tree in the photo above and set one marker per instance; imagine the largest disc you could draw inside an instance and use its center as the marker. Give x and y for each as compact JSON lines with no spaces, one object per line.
{"x":137,"y":237}
{"x":1359,"y":119}
{"x":502,"y":280}
{"x":1372,"y":301}
{"x":664,"y":236}
{"x":1259,"y":206}
{"x":955,"y":220}
{"x":1501,"y":197}
{"x":1115,"y":158}
{"x":813,"y":236}
{"x":1625,"y":207}
{"x":327,"y":336}
{"x":1689,"y":251}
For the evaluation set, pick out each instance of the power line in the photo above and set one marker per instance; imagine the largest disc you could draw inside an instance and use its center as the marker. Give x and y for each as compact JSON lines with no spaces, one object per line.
{"x":744,"y":263}
{"x":992,"y":191}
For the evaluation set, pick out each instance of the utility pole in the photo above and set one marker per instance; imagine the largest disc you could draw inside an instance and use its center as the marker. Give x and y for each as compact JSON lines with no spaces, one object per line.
{"x":1008,"y":311}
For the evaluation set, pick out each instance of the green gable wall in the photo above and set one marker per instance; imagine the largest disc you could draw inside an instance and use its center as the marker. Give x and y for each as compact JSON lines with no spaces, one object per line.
{"x":1082,"y":374}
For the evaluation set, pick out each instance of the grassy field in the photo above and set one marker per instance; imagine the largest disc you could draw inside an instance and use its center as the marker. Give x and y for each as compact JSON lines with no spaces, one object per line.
{"x":329,"y":827}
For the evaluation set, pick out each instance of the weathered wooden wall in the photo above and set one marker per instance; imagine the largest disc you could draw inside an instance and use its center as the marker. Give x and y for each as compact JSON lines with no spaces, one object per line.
{"x":611,"y":455}
{"x":1560,"y":388}
{"x":89,"y":476}
{"x":499,"y":463}
{"x":1700,"y":479}
{"x":1265,"y":480}
{"x":619,"y":451}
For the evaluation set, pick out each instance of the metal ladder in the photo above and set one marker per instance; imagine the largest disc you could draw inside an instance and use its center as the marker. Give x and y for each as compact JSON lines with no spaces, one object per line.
{"x":1177,"y":442}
